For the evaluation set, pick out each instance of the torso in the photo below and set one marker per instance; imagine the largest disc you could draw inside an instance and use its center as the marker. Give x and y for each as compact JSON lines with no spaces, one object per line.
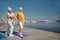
{"x":20,"y":16}
{"x":10,"y":17}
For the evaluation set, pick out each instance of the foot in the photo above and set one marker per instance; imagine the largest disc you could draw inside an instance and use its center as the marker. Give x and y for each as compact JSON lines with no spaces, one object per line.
{"x":21,"y":35}
{"x":6,"y":33}
{"x":11,"y":35}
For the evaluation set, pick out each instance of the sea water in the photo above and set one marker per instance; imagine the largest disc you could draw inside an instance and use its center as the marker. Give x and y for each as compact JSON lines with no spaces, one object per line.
{"x":52,"y":26}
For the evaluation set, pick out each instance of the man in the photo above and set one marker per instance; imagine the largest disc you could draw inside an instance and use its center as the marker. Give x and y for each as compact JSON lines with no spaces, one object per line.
{"x":20,"y":18}
{"x":10,"y":17}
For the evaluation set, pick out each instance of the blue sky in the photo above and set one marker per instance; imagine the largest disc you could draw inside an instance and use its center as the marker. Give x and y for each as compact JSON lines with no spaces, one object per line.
{"x":33,"y":9}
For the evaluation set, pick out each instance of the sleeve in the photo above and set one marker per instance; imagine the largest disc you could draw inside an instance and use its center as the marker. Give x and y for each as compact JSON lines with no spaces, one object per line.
{"x":7,"y":15}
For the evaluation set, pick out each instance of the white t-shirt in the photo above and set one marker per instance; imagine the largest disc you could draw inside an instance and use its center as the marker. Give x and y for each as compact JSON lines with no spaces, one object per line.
{"x":10,"y":15}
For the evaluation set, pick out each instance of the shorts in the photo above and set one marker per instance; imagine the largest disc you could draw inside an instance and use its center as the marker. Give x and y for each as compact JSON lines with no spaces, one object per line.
{"x":20,"y":24}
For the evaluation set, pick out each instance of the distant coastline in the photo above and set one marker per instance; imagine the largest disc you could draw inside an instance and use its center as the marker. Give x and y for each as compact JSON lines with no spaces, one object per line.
{"x":31,"y":21}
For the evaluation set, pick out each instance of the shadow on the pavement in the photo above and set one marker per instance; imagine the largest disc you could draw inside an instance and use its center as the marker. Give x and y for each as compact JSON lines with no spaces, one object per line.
{"x":3,"y":32}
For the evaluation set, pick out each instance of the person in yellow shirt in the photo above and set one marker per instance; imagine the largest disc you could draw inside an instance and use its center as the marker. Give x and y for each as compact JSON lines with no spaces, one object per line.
{"x":20,"y":17}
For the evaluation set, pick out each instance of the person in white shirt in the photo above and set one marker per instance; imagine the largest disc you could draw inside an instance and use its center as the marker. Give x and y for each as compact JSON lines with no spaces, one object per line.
{"x":10,"y":17}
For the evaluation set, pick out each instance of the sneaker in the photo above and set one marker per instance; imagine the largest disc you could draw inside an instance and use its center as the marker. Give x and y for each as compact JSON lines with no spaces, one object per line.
{"x":6,"y":33}
{"x":21,"y":35}
{"x":11,"y":35}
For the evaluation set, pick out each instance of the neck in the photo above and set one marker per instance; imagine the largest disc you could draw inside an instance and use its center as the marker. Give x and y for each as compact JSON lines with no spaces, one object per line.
{"x":10,"y":12}
{"x":20,"y":11}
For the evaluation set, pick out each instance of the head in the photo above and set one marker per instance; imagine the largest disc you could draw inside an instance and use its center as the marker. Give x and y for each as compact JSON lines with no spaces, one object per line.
{"x":20,"y":9}
{"x":9,"y":10}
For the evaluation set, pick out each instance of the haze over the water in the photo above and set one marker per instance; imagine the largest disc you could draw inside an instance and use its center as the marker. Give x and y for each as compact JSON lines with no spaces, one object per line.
{"x":33,"y":9}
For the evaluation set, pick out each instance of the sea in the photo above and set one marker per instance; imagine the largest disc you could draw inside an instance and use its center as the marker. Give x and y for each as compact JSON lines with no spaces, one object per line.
{"x":46,"y":26}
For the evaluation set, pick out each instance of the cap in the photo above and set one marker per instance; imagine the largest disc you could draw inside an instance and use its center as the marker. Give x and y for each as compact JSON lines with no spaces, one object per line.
{"x":9,"y":8}
{"x":20,"y":8}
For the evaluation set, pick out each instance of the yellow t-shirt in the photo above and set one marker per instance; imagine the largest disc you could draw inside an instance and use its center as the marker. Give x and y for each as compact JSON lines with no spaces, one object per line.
{"x":20,"y":16}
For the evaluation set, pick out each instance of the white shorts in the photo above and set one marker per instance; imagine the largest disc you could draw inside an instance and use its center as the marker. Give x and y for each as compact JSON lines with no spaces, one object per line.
{"x":20,"y":24}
